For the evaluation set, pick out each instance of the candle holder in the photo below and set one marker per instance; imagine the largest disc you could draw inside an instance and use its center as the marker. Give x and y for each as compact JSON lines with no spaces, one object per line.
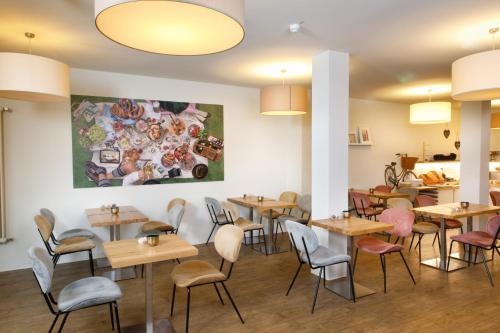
{"x":347,"y":214}
{"x":115,"y":209}
{"x":371,"y":190}
{"x":260,"y":198}
{"x":152,"y":240}
{"x":464,"y":204}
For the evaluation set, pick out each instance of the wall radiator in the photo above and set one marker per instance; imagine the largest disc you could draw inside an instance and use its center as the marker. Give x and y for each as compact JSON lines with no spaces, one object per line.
{"x":3,"y":224}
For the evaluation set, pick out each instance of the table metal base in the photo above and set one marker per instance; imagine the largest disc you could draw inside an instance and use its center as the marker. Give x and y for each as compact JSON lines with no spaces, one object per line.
{"x":464,"y":257}
{"x":102,"y":263}
{"x":342,"y":287}
{"x":436,"y":263}
{"x":120,"y":274}
{"x":160,"y":326}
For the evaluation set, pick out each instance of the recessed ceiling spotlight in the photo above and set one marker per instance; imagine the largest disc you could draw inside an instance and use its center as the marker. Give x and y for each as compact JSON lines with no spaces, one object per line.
{"x":295,"y":27}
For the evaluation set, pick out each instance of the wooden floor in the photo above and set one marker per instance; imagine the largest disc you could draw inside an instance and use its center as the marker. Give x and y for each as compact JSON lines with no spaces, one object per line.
{"x":462,"y":301}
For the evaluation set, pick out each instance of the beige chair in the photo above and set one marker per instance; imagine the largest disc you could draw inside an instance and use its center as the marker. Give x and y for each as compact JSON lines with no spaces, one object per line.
{"x":232,"y":214}
{"x":67,"y":246}
{"x":285,"y":196}
{"x":194,"y":273}
{"x":173,"y":217}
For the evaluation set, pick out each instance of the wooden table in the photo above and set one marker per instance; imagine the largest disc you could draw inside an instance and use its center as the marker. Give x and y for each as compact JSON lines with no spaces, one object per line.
{"x":449,"y":211}
{"x":267,"y":204}
{"x":99,"y":217}
{"x":126,"y":253}
{"x":350,"y":228}
{"x":384,"y":196}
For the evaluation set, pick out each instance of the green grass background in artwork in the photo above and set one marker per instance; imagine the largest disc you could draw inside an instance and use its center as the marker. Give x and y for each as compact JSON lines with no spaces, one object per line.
{"x":214,"y":126}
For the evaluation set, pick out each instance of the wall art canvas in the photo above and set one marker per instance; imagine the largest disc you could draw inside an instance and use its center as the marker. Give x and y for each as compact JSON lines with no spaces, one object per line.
{"x":125,"y":141}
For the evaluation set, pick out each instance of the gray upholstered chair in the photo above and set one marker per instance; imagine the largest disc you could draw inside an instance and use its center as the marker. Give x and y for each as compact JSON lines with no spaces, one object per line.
{"x":309,"y":251}
{"x":69,"y":245}
{"x":304,"y":212}
{"x":175,"y":211}
{"x":80,"y":294}
{"x":232,"y":214}
{"x":216,"y":214}
{"x":194,"y":273}
{"x":71,"y":233}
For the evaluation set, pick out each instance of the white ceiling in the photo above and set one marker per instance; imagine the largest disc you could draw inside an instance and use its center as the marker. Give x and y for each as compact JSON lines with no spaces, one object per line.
{"x":395,"y":45}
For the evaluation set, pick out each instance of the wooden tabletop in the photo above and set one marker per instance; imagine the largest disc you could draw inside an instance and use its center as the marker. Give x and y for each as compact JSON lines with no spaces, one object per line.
{"x":352,"y":226}
{"x":251,"y":202}
{"x":128,"y":252}
{"x":383,"y":195}
{"x":102,"y":217}
{"x":449,"y":210}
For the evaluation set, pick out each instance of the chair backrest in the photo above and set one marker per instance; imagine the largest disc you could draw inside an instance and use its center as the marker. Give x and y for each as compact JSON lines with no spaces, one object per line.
{"x":399,"y":203}
{"x":213,"y":205}
{"x":383,"y":188}
{"x":411,"y":191}
{"x":299,"y":231}
{"x":360,"y":201}
{"x":402,"y":220}
{"x":47,"y":213}
{"x":232,"y":212}
{"x":495,"y":197}
{"x":174,"y":215}
{"x":176,"y":201}
{"x":424,"y":200}
{"x":493,"y":226}
{"x":44,"y":226}
{"x":288,"y":196}
{"x":304,"y":203}
{"x":227,"y":242}
{"x":42,"y":267}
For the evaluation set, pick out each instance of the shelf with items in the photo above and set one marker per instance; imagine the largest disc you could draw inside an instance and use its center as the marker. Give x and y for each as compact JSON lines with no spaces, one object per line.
{"x":361,"y":136}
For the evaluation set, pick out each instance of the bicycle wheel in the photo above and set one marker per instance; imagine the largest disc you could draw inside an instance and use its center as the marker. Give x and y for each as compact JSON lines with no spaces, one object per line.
{"x":409,"y":175}
{"x":390,"y":177}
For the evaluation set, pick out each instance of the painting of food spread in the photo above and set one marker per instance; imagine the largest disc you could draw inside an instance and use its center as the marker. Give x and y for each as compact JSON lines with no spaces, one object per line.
{"x":125,"y":142}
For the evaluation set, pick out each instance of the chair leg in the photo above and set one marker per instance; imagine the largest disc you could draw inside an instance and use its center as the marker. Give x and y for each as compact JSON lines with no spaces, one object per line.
{"x":475,"y":256}
{"x":351,"y":281}
{"x":91,"y":260}
{"x":218,"y":294}
{"x":469,"y":256}
{"x":117,"y":317}
{"x":324,"y":277}
{"x":420,"y":236}
{"x":411,"y":243}
{"x":486,"y":267}
{"x":112,"y":316}
{"x":439,"y":240}
{"x":294,"y":277}
{"x":265,"y":242}
{"x":232,"y":302}
{"x":449,"y":256}
{"x":173,"y":301}
{"x":187,"y":310}
{"x":382,"y":261}
{"x":317,"y":288}
{"x":54,"y":322}
{"x":355,"y":261}
{"x":407,"y":268}
{"x":63,"y":322}
{"x":434,"y":240}
{"x":211,"y":232}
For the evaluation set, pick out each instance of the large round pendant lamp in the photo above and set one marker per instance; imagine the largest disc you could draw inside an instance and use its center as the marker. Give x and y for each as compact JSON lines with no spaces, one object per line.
{"x":283,"y":100}
{"x":172,"y":27}
{"x":477,"y":77}
{"x":430,"y":113}
{"x":495,"y":120}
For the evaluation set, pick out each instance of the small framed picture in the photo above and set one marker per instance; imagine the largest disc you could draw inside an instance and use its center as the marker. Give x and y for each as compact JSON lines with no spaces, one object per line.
{"x":352,"y":138}
{"x":365,"y":136}
{"x":109,"y":156}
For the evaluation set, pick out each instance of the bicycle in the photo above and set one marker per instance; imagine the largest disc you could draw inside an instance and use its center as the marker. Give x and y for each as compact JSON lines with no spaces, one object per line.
{"x":407,"y":165}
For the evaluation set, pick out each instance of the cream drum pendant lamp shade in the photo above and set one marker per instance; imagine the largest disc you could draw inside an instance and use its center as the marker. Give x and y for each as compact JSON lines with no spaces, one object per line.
{"x":33,"y":78}
{"x":430,"y":113}
{"x":172,"y":27}
{"x":477,"y":77}
{"x":283,"y":100}
{"x":495,"y":120}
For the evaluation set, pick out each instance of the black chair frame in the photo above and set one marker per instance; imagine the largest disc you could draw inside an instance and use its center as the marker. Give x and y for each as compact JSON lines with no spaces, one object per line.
{"x":215,"y":221}
{"x":369,"y":217}
{"x":260,"y":231}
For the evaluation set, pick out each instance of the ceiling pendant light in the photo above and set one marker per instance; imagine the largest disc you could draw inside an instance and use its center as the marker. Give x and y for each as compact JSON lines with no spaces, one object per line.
{"x":477,"y":77}
{"x":172,"y":27}
{"x":33,"y":78}
{"x":430,"y":112}
{"x":283,"y":100}
{"x":495,"y":120}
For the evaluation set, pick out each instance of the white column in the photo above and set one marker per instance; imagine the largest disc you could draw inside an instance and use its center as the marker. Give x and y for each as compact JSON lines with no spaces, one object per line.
{"x":330,"y":118}
{"x":474,"y":152}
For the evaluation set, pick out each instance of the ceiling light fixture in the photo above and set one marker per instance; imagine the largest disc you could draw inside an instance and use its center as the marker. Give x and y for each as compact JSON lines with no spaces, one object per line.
{"x":283,"y":100}
{"x":295,"y":27}
{"x":477,"y":77}
{"x":174,"y":27}
{"x":495,"y":120}
{"x":33,"y":78}
{"x":430,"y":112}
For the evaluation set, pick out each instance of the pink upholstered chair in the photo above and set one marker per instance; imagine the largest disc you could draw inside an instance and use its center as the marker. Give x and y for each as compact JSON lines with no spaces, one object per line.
{"x":382,"y":188}
{"x":402,"y":220}
{"x":495,"y":198}
{"x":363,"y":206}
{"x":482,"y":240}
{"x":425,"y":200}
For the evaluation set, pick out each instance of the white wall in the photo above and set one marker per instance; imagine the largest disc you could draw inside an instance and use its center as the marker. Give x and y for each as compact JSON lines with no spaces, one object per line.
{"x":262,"y":156}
